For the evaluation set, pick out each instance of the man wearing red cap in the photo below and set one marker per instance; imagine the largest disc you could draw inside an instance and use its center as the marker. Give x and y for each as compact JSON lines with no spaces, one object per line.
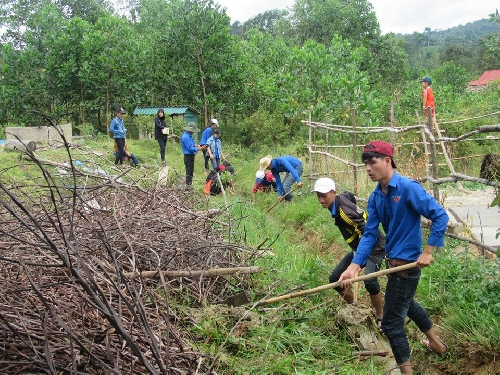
{"x":398,"y":203}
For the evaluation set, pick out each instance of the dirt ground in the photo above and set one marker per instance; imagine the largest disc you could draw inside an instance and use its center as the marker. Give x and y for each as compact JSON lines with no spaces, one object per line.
{"x":456,"y":198}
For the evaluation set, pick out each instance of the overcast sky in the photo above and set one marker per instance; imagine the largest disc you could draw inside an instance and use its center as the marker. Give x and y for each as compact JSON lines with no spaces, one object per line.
{"x":398,"y":16}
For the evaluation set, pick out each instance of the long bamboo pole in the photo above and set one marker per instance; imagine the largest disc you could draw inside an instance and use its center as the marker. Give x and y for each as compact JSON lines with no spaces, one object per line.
{"x":193,"y":273}
{"x":337,"y":284}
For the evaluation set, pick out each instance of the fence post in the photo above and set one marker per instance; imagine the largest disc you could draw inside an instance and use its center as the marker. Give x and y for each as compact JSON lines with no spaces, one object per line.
{"x":310,"y":153}
{"x":392,"y":122}
{"x":354,"y":156}
{"x":434,"y":159}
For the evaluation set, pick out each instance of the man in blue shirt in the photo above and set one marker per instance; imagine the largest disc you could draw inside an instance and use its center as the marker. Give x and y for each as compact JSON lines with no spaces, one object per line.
{"x":207,"y":133}
{"x":116,"y":126}
{"x":189,"y":149}
{"x":398,"y":203}
{"x":293,"y":170}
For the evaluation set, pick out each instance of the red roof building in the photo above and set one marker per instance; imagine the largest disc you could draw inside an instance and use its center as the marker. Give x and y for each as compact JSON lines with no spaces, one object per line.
{"x":486,"y":77}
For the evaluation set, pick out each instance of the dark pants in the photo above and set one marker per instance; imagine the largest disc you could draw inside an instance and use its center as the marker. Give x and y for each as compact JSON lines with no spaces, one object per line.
{"x":206,"y":157}
{"x":399,"y":304}
{"x":189,"y":164}
{"x":372,"y":285}
{"x":120,"y":142}
{"x":162,"y":143}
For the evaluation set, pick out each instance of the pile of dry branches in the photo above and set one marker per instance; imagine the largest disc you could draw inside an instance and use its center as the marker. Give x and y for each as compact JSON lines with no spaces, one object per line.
{"x":91,"y":268}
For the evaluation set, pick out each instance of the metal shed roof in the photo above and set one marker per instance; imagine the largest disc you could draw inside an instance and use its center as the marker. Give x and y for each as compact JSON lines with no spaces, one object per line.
{"x":168,"y":110}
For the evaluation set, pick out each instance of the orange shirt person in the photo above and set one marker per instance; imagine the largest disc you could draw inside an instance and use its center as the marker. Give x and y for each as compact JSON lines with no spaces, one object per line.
{"x":427,"y":95}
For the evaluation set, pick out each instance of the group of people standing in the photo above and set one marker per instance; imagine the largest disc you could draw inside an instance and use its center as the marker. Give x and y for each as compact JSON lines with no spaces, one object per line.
{"x":210,"y":144}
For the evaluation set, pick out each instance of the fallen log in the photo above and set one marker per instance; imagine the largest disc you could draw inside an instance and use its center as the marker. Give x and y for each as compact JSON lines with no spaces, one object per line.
{"x":193,"y":273}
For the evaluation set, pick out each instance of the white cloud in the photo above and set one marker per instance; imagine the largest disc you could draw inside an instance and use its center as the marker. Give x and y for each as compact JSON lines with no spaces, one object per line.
{"x":398,"y":16}
{"x":407,"y":16}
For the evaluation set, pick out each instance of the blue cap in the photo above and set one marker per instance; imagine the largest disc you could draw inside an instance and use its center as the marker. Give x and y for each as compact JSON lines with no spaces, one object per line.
{"x":426,"y":79}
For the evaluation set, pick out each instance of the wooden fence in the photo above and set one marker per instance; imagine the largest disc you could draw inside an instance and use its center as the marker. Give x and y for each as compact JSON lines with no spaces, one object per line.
{"x":430,"y":137}
{"x":323,"y":155}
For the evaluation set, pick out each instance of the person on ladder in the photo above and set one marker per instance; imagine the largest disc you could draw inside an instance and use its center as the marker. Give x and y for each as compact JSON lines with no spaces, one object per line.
{"x":428,"y":103}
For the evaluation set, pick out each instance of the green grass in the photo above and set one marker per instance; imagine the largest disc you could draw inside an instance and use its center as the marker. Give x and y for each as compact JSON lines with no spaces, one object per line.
{"x":300,"y":336}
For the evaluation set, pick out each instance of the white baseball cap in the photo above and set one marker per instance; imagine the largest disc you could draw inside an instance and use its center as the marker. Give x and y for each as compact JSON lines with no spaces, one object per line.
{"x":214,"y":121}
{"x":324,"y":185}
{"x":260,"y":174}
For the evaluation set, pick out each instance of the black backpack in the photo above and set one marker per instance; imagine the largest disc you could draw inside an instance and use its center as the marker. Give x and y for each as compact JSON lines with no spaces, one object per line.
{"x":349,"y":196}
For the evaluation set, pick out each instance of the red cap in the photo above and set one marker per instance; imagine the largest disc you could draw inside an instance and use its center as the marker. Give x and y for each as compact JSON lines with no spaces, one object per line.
{"x":381,"y":147}
{"x":222,"y":167}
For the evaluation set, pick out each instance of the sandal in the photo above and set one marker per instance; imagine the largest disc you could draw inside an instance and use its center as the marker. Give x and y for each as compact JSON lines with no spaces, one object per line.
{"x":378,"y":322}
{"x":427,"y":343}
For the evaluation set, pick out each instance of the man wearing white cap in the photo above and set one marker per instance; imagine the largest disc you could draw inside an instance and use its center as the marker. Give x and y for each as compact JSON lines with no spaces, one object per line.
{"x":205,"y":135}
{"x":264,"y":181}
{"x":350,"y":219}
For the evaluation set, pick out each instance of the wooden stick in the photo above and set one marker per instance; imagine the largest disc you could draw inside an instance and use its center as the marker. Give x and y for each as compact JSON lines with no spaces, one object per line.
{"x":337,"y":283}
{"x":356,"y":289}
{"x":193,"y":273}
{"x":365,"y":353}
{"x":274,"y":205}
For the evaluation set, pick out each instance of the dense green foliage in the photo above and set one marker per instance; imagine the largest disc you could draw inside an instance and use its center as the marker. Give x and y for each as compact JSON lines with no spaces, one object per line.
{"x":473,"y":46}
{"x":76,"y":61}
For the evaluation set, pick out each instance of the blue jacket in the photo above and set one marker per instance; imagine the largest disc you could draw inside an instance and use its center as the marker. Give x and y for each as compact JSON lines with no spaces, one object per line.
{"x":187,"y":143}
{"x":215,"y":146}
{"x":399,"y":212}
{"x":284,"y":164}
{"x":116,"y":126}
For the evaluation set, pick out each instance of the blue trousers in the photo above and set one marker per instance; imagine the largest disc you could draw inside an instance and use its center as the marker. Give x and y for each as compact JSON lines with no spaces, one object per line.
{"x":289,"y":180}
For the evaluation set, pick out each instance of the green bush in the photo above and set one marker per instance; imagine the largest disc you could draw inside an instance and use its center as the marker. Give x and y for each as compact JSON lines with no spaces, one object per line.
{"x":261,"y":129}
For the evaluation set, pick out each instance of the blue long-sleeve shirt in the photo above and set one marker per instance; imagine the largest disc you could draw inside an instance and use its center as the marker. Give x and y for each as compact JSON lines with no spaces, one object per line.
{"x":284,"y":164}
{"x":207,"y":133}
{"x":187,"y":143}
{"x":116,"y":126}
{"x":399,"y":213}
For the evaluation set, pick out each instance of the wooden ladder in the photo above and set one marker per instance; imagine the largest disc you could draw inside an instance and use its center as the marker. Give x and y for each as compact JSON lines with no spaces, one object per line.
{"x":435,"y":130}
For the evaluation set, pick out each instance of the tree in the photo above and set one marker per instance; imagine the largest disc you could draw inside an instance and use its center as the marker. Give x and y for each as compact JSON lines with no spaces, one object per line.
{"x":113,"y":61}
{"x":490,"y":46}
{"x":452,"y":75}
{"x":428,"y":32}
{"x":328,"y":80}
{"x":388,"y":61}
{"x":200,"y":51}
{"x":321,"y":20}
{"x":268,"y":21}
